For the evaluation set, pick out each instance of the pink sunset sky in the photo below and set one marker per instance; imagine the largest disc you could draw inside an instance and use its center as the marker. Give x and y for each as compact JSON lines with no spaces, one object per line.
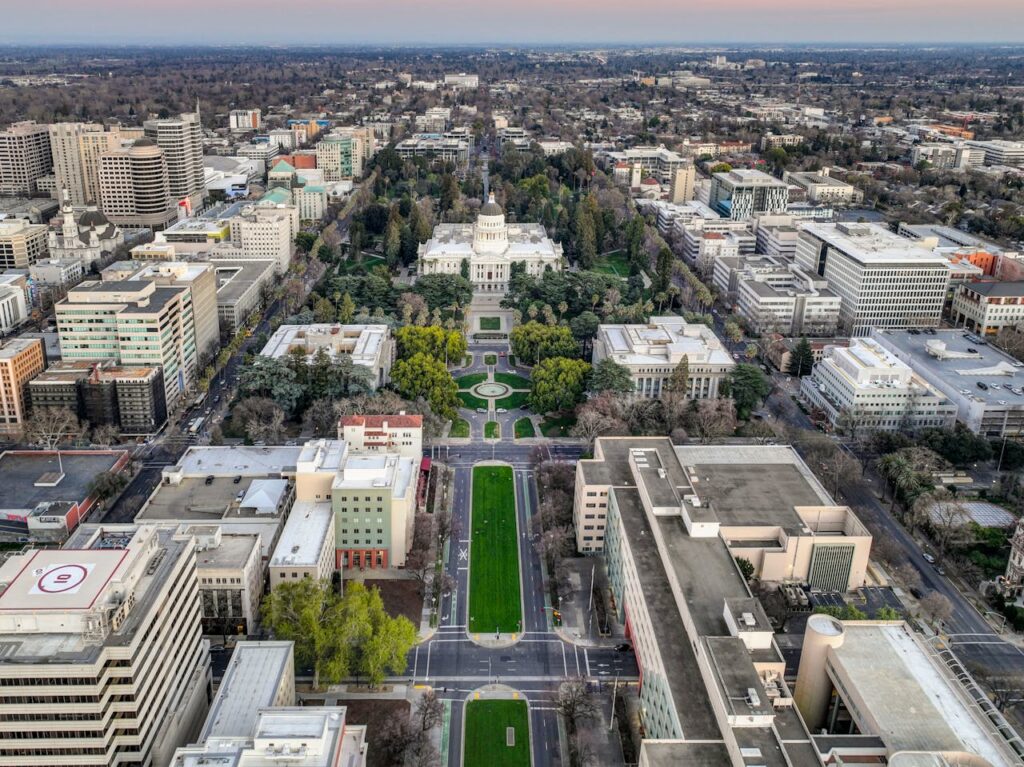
{"x":480,"y":21}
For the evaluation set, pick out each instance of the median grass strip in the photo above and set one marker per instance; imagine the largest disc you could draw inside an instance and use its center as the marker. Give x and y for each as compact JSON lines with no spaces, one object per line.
{"x":494,"y":603}
{"x":490,"y":323}
{"x":490,"y":359}
{"x":487,"y":737}
{"x":492,"y":430}
{"x":468,"y":382}
{"x":524,"y":428}
{"x":511,"y":379}
{"x":472,"y":401}
{"x":460,"y":428}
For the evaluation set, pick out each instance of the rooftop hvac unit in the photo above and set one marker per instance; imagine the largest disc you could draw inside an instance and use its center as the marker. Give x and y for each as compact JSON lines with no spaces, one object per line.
{"x":752,"y":697}
{"x":748,"y":619}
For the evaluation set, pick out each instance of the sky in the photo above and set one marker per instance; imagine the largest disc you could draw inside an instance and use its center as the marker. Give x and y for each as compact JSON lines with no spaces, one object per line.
{"x":353,"y":22}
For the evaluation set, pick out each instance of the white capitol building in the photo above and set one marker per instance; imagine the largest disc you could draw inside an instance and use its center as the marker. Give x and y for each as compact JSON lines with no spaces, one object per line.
{"x":491,"y":246}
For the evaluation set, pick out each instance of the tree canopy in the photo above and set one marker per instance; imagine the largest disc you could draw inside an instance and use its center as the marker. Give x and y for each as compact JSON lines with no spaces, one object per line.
{"x":338,"y":635}
{"x":558,"y":383}
{"x":748,"y":386}
{"x":423,"y":375}
{"x":609,"y":375}
{"x":533,"y":341}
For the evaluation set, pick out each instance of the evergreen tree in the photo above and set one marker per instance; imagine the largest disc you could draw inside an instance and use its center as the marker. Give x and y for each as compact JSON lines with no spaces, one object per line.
{"x":801,"y":359}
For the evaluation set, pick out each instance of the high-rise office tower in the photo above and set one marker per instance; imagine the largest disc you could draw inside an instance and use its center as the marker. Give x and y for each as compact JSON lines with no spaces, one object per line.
{"x":24,"y":157}
{"x":181,"y":140}
{"x":76,"y":149}
{"x":134,"y":187}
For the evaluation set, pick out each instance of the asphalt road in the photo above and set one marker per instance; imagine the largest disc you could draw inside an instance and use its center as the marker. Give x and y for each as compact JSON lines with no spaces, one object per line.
{"x":973,"y":639}
{"x":456,"y":666}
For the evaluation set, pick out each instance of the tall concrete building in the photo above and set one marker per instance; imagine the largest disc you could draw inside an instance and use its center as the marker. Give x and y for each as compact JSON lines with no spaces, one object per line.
{"x":135,"y":187}
{"x":21,"y":360}
{"x":133,"y":322}
{"x":105,"y":662}
{"x":181,"y":140}
{"x":201,"y":279}
{"x":883,"y":279}
{"x":76,"y":149}
{"x":25,"y":157}
{"x":21,"y":244}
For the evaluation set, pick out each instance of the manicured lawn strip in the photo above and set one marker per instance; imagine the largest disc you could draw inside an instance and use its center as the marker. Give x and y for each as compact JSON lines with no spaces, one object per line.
{"x":524,"y":428}
{"x":494,"y":601}
{"x":492,"y":430}
{"x":460,"y":428}
{"x":511,"y":379}
{"x":490,"y":323}
{"x":557,"y":425}
{"x":472,"y":401}
{"x":513,"y":400}
{"x":468,"y":382}
{"x":350,"y":266}
{"x":486,"y":723}
{"x":490,"y":359}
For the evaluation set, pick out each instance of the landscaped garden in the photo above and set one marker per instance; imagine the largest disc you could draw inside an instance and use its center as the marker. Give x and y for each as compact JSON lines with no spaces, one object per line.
{"x":513,"y":380}
{"x":471,"y":380}
{"x":489,"y":742}
{"x":524,"y":428}
{"x":513,"y":400}
{"x":490,"y":359}
{"x":490,"y":323}
{"x":616,"y":262}
{"x":472,"y":401}
{"x":460,"y":428}
{"x":494,"y":598}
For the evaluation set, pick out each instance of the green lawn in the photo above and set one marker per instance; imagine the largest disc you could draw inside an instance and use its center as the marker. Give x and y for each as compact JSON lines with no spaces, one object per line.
{"x":349,"y":266}
{"x":557,"y":425}
{"x":512,"y":359}
{"x":490,"y":359}
{"x":494,"y":554}
{"x":513,"y":400}
{"x":511,"y":379}
{"x":492,"y":430}
{"x":472,"y":401}
{"x":524,"y":428}
{"x":460,"y":428}
{"x":486,"y":738}
{"x":468,"y":382}
{"x":615,"y":263}
{"x":490,"y":323}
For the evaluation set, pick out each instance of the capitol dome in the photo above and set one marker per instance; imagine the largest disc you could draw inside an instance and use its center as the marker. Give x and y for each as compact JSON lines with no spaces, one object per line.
{"x":490,"y":235}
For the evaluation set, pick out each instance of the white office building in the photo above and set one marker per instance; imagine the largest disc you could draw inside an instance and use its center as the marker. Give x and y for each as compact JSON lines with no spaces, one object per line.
{"x":105,"y":662}
{"x":369,"y":345}
{"x":883,"y":279}
{"x":653,"y":351}
{"x":306,"y":546}
{"x":786,"y":299}
{"x":181,"y":140}
{"x":821,"y":188}
{"x":865,"y":386}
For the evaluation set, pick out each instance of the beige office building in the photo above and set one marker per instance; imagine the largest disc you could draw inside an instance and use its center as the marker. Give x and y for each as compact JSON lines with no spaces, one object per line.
{"x":21,"y":360}
{"x":134,"y":322}
{"x":135,"y":188}
{"x":306,"y":546}
{"x":201,"y":279}
{"x":105,"y":662}
{"x":25,"y":157}
{"x":181,"y":140}
{"x":21,"y":244}
{"x":76,"y":149}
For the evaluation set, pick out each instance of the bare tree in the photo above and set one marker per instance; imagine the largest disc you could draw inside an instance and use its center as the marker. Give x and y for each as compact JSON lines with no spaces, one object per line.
{"x":948,"y":522}
{"x":713,"y":418}
{"x":419,"y":561}
{"x":575,"y":703}
{"x":429,"y":711}
{"x":936,"y":607}
{"x":908,"y":575}
{"x":106,"y":435}
{"x":1006,"y":689}
{"x":49,"y":426}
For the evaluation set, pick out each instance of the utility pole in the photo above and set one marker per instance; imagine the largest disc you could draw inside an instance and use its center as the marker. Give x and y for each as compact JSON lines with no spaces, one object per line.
{"x":611,"y":716}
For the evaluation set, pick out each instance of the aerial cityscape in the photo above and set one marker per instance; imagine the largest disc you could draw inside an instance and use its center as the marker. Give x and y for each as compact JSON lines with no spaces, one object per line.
{"x":572,"y":384}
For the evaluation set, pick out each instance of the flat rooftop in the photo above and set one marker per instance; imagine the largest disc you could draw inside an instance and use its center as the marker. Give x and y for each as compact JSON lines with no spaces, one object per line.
{"x":302,"y":539}
{"x":25,"y":473}
{"x":911,"y":700}
{"x":959,"y":362}
{"x":874,"y":244}
{"x":234,"y":278}
{"x":232,"y":460}
{"x":251,"y":681}
{"x":62,"y":579}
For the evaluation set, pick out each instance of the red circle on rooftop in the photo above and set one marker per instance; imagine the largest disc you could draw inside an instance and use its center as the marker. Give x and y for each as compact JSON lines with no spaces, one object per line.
{"x":61,"y":578}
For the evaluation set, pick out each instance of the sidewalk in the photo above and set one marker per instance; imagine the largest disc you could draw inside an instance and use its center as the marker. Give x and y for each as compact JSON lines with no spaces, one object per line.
{"x":579,"y":614}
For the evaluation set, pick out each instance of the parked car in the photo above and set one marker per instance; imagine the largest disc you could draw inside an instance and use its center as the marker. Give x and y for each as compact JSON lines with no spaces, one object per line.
{"x":928,"y":558}
{"x":501,"y":410}
{"x":481,"y":410}
{"x":209,"y":479}
{"x":237,"y":479}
